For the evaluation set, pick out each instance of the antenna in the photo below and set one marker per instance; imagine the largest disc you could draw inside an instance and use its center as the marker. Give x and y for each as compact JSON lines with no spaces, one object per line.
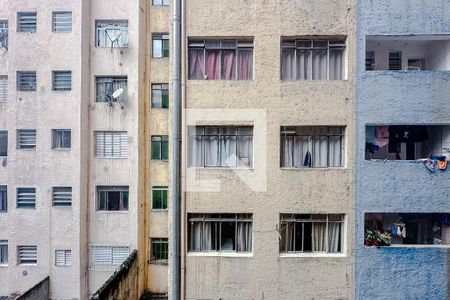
{"x":115,"y":97}
{"x":117,"y":93}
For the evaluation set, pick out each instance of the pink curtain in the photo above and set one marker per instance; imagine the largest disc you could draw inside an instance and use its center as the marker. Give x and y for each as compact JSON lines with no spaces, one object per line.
{"x":229,"y":64}
{"x":196,"y":61}
{"x":213,"y":64}
{"x":245,"y":65}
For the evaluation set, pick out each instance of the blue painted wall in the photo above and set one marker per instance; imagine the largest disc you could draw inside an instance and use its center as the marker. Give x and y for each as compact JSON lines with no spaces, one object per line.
{"x":385,"y":97}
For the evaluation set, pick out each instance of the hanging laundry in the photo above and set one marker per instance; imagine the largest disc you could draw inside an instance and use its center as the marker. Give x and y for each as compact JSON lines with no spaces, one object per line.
{"x":308,"y":161}
{"x":381,"y":136}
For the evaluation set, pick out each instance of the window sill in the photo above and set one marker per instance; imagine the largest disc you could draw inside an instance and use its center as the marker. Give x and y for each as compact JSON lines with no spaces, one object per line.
{"x":313,"y":80}
{"x":220,"y":254}
{"x":61,"y":149}
{"x":312,"y":168}
{"x":294,"y":255}
{"x":27,"y":265}
{"x":158,"y":262}
{"x":159,"y":210}
{"x":111,"y":212}
{"x":3,"y":265}
{"x":222,"y":168}
{"x":112,"y":157}
{"x":409,"y":246}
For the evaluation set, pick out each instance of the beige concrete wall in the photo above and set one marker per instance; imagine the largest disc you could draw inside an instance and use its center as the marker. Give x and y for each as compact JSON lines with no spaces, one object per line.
{"x":265,"y":274}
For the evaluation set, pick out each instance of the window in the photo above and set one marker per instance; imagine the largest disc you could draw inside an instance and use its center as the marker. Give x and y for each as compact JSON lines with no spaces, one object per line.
{"x":26,"y":21}
{"x":159,"y":249}
{"x":160,"y":147}
{"x":3,"y":143}
{"x":220,"y":146}
{"x":27,"y":255}
{"x":62,"y":80}
{"x":3,"y":198}
{"x":112,"y":198}
{"x":106,"y":86}
{"x":221,"y":60}
{"x":111,"y":144}
{"x":61,"y":138}
{"x":4,"y":252}
{"x":26,"y":139}
{"x":63,"y":258}
{"x":3,"y":88}
{"x":160,"y":45}
{"x":26,"y":198}
{"x":312,"y":59}
{"x":312,"y":233}
{"x":62,"y":21}
{"x":26,"y":81}
{"x":160,"y":2}
{"x":159,"y":197}
{"x":395,"y":60}
{"x":370,"y":60}
{"x":220,"y":232}
{"x":312,"y":146}
{"x":112,"y":33}
{"x":62,"y":196}
{"x":109,"y":255}
{"x":3,"y":34}
{"x":160,"y":95}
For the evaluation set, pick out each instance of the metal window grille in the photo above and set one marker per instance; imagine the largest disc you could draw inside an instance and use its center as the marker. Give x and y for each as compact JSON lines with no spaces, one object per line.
{"x":61,"y":138}
{"x":63,"y":258}
{"x":112,"y":33}
{"x":62,"y":80}
{"x":160,"y":45}
{"x":159,"y":249}
{"x":112,"y":198}
{"x":62,"y":196}
{"x":395,"y":60}
{"x":26,"y":198}
{"x":159,"y":198}
{"x":370,"y":60}
{"x":220,"y":146}
{"x":26,"y":81}
{"x":3,"y":143}
{"x":3,"y":198}
{"x":106,"y":86}
{"x":3,"y":88}
{"x":312,"y":233}
{"x":312,"y":146}
{"x":111,"y":144}
{"x":109,"y":255}
{"x":27,"y":254}
{"x":62,"y":21}
{"x":312,"y":59}
{"x":160,"y":95}
{"x":3,"y":252}
{"x":26,"y":21}
{"x":4,"y":30}
{"x":220,"y":232}
{"x":26,"y":139}
{"x":160,"y":147}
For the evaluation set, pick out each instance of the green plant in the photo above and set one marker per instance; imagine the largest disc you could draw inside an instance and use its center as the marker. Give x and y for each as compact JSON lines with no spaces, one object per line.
{"x":376,"y":238}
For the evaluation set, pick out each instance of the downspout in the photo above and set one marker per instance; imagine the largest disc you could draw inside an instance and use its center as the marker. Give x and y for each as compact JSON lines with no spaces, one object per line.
{"x":175,"y":141}
{"x":183,"y":153}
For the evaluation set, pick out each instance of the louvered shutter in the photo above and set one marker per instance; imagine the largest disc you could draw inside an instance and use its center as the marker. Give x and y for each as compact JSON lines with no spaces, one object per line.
{"x":27,"y":254}
{"x":63,"y":257}
{"x":101,"y":255}
{"x":26,"y":81}
{"x":26,"y":21}
{"x":3,"y":88}
{"x":119,"y":254}
{"x":27,"y":139}
{"x":62,"y":80}
{"x":62,"y":196}
{"x":26,"y":197}
{"x":62,"y":21}
{"x":111,"y":144}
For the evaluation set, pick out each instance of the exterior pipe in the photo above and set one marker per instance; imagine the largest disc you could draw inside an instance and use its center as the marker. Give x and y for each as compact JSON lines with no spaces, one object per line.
{"x":176,"y":121}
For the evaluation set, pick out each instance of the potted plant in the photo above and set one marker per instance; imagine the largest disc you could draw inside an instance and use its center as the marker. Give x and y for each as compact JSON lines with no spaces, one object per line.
{"x":376,"y":238}
{"x":369,"y":237}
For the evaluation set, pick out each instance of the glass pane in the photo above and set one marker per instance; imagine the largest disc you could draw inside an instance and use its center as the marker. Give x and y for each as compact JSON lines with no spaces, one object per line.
{"x":156,"y":150}
{"x":164,"y":150}
{"x":157,"y":201}
{"x":157,"y":49}
{"x":227,"y":236}
{"x":113,"y":201}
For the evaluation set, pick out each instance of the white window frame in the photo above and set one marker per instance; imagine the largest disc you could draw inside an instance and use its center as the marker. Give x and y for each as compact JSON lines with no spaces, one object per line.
{"x":27,"y":22}
{"x":158,"y":241}
{"x":63,"y":258}
{"x":64,"y":134}
{"x":160,"y":2}
{"x":62,"y":196}
{"x":160,"y":188}
{"x":105,"y":190}
{"x":62,"y":21}
{"x":4,"y":247}
{"x":115,"y":33}
{"x":111,"y":144}
{"x":29,"y":253}
{"x":111,"y":255}
{"x":158,"y":41}
{"x":158,"y":92}
{"x":105,"y":86}
{"x":3,"y":88}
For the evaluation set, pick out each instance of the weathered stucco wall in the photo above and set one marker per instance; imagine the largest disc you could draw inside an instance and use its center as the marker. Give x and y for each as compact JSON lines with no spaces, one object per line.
{"x":265,"y":274}
{"x":387,"y":97}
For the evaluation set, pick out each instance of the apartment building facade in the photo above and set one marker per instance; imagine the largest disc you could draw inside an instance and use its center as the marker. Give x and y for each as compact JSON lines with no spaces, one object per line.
{"x":402,"y":85}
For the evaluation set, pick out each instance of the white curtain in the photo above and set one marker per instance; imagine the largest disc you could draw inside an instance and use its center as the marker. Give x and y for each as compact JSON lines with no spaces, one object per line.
{"x":336,"y":68}
{"x":211,"y":144}
{"x":334,"y":232}
{"x":336,"y":151}
{"x":244,"y":238}
{"x":207,"y":236}
{"x":320,"y":155}
{"x":228,"y":151}
{"x":195,"y":236}
{"x":288,"y":150}
{"x":288,"y":64}
{"x":195,"y":151}
{"x":303,"y":64}
{"x":287,"y":237}
{"x":319,"y":65}
{"x":58,"y":139}
{"x":318,"y":236}
{"x":245,"y":150}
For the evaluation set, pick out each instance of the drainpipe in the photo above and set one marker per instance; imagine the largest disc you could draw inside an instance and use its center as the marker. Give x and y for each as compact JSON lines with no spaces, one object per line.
{"x":176,"y":121}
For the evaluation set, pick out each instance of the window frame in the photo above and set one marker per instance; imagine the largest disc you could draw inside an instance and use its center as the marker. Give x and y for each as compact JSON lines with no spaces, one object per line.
{"x":33,"y":29}
{"x":112,"y":25}
{"x":4,"y":137}
{"x":112,"y":261}
{"x":65,"y":133}
{"x":4,"y":33}
{"x":163,"y":88}
{"x":163,"y":3}
{"x":29,"y":191}
{"x":162,"y":243}
{"x":4,"y":198}
{"x":4,"y":86}
{"x":113,"y":135}
{"x":107,"y":189}
{"x":28,"y":248}
{"x":295,"y":218}
{"x":110,"y":83}
{"x":54,"y":23}
{"x":3,"y":246}
{"x":28,"y":85}
{"x":162,"y":189}
{"x":299,"y":44}
{"x":29,"y":132}
{"x":164,"y":39}
{"x":65,"y":195}
{"x":63,"y":75}
{"x":163,"y":146}
{"x":67,"y":253}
